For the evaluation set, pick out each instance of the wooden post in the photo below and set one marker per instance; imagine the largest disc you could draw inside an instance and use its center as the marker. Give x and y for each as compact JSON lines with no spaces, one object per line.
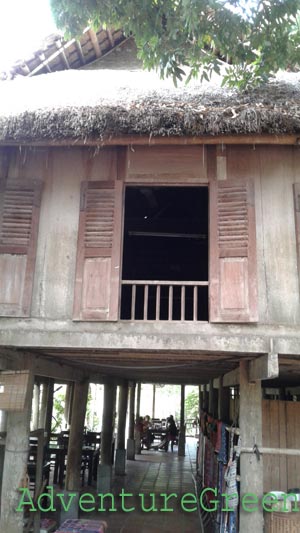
{"x":250,"y":422}
{"x":49,"y":409}
{"x":36,"y":406}
{"x":205,"y":397}
{"x":130,"y":440}
{"x":108,"y":422}
{"x":68,"y":403}
{"x":81,"y":390}
{"x":15,"y":464}
{"x":43,"y":407}
{"x":213,"y":400}
{"x":153,"y":401}
{"x":181,"y":441}
{"x":122,"y":412}
{"x":3,"y":424}
{"x":138,"y":399}
{"x":223,"y":401}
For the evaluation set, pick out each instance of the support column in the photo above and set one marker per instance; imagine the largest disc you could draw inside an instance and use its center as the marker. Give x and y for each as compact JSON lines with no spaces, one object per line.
{"x":68,"y":403}
{"x":43,"y":408}
{"x":213,"y":399}
{"x":250,"y":422}
{"x":122,"y":412}
{"x":73,"y":472}
{"x":35,"y":406}
{"x":223,"y":401}
{"x":3,"y":424}
{"x":108,"y":422}
{"x":153,"y":401}
{"x":15,"y":464}
{"x":138,"y":400}
{"x":181,"y":440}
{"x":205,"y":397}
{"x":130,"y":440}
{"x":49,"y":409}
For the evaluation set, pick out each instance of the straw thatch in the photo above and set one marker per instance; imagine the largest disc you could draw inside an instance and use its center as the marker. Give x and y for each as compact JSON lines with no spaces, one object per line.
{"x":80,"y":105}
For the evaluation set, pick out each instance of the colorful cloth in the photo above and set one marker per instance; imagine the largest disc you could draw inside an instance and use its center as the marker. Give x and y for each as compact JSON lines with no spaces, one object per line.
{"x":82,"y":526}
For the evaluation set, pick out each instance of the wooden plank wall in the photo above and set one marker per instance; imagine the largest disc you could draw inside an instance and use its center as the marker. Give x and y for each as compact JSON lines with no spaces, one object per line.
{"x":281,"y":429}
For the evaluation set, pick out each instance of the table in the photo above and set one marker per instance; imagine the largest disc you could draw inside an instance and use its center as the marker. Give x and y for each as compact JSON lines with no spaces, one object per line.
{"x":80,"y":525}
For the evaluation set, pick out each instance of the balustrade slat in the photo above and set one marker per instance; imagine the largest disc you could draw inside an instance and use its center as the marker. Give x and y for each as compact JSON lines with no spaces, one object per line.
{"x":170,"y":311}
{"x":195,"y":303}
{"x":182,"y":302}
{"x":157,"y":311}
{"x":146,"y":292}
{"x":133,"y":299}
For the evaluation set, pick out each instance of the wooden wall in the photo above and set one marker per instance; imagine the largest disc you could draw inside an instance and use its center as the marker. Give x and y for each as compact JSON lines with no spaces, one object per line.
{"x":281,"y":429}
{"x":274,"y":168}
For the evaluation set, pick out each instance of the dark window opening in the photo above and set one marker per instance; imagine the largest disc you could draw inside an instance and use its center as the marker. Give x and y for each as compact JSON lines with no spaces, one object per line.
{"x":165,"y":241}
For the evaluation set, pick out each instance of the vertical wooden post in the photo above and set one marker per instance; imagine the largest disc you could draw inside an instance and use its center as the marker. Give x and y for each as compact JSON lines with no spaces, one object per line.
{"x":36,"y":406}
{"x":3,"y":424}
{"x":108,"y":422}
{"x":130,"y":440}
{"x":250,"y":422}
{"x":43,"y":407}
{"x":138,"y":399}
{"x":76,"y":436}
{"x":223,"y":401}
{"x":205,"y":397}
{"x":49,"y":409}
{"x":153,"y":401}
{"x":68,"y":403}
{"x":122,"y":412}
{"x":181,"y":440}
{"x":213,"y":399}
{"x":15,"y":464}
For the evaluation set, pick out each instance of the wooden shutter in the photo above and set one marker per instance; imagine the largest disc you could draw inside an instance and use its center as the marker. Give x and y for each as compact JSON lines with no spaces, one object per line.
{"x":19,"y":219}
{"x":233,"y":279}
{"x":97,"y":284}
{"x":297,"y":221}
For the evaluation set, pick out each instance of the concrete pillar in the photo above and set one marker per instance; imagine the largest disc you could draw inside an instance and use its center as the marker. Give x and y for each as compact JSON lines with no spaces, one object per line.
{"x":138,"y":400}
{"x":35,"y":406}
{"x":130,"y":440}
{"x":108,"y":422}
{"x":181,"y":440}
{"x":15,"y":464}
{"x":122,"y":412}
{"x":49,"y":409}
{"x":223,"y":401}
{"x":3,"y":425}
{"x":250,"y":423}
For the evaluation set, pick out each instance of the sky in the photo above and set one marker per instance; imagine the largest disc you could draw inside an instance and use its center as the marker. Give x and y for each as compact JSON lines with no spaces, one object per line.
{"x":23,"y":25}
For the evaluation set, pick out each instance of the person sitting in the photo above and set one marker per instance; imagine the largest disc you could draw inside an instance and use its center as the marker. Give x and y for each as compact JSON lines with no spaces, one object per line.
{"x":147,"y":434}
{"x":171,"y":435}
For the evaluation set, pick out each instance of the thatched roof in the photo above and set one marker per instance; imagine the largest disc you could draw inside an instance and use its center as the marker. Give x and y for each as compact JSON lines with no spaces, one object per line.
{"x":76,"y":105}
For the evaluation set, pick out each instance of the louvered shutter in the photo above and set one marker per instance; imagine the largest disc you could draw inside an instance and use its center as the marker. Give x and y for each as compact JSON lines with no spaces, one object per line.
{"x":233,"y":278}
{"x":97,"y":284}
{"x":297,"y":220}
{"x":19,"y":220}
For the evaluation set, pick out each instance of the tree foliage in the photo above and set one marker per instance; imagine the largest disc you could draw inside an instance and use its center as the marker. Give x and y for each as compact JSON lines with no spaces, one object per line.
{"x":253,"y":38}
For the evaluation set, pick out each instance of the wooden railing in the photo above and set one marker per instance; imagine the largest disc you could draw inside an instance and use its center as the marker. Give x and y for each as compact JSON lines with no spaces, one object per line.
{"x":162,"y":300}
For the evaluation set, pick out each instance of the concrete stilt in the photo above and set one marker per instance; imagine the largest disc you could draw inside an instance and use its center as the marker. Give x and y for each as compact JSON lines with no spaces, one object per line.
{"x":122,"y":412}
{"x":130,"y":440}
{"x":181,"y":440}
{"x":108,"y":421}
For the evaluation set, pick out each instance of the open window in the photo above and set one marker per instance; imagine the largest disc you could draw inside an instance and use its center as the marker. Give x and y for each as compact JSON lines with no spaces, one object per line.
{"x":165,"y":253}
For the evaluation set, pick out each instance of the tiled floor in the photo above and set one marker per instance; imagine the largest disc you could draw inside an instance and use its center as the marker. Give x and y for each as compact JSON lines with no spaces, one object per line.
{"x":155,"y":473}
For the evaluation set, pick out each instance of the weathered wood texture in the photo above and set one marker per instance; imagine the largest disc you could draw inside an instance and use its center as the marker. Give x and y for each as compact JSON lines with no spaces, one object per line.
{"x":76,"y":436}
{"x":250,"y":421}
{"x":97,"y":282}
{"x":19,"y":222}
{"x":108,"y":424}
{"x":15,"y":466}
{"x":281,"y":429}
{"x":122,"y":412}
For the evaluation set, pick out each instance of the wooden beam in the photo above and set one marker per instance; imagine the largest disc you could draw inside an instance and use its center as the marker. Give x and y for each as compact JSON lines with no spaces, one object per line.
{"x":264,"y":367}
{"x":231,"y":378}
{"x":110,"y":38}
{"x":50,"y":58}
{"x":63,"y":54}
{"x":42,"y":57}
{"x":80,"y":52}
{"x":95,"y":43}
{"x":147,"y":140}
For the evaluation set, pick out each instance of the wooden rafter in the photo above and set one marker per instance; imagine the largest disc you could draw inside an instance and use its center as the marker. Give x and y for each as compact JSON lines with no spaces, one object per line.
{"x":80,"y":52}
{"x":95,"y":42}
{"x":63,"y":54}
{"x":42,"y":57}
{"x":50,"y":58}
{"x":110,"y":38}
